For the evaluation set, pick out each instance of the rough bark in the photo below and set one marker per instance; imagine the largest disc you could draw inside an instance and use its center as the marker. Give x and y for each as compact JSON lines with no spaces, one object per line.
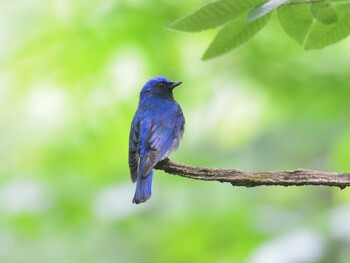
{"x":238,"y":177}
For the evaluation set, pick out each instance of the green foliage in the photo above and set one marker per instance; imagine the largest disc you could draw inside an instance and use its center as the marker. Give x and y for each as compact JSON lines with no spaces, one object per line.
{"x":296,"y":21}
{"x":314,"y":24}
{"x":324,"y":12}
{"x":213,"y":15}
{"x":234,"y":34}
{"x":322,"y":35}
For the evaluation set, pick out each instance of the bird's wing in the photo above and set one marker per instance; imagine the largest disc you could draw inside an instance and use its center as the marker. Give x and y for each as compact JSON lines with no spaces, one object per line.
{"x":164,"y":137}
{"x":134,"y":144}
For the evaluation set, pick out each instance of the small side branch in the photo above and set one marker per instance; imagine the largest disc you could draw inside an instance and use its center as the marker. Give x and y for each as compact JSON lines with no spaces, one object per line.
{"x":304,"y":2}
{"x":237,"y":177}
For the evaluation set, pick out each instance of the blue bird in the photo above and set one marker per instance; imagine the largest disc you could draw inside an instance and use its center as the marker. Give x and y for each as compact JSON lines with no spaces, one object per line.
{"x":156,"y":131}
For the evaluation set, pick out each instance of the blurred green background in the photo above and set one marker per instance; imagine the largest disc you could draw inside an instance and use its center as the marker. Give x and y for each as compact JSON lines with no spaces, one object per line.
{"x":70,"y":76}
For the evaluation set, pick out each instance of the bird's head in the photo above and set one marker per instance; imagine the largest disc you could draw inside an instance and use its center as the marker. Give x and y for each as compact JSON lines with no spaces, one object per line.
{"x":160,"y":86}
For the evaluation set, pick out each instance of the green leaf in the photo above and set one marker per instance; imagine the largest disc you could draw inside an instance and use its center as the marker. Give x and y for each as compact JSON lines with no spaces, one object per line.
{"x":324,"y":12}
{"x":234,"y":34}
{"x":264,"y":9}
{"x":213,"y":15}
{"x":322,"y":35}
{"x":296,"y":21}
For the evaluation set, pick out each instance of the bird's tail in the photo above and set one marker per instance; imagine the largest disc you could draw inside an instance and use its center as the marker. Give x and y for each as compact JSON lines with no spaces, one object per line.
{"x":143,"y":188}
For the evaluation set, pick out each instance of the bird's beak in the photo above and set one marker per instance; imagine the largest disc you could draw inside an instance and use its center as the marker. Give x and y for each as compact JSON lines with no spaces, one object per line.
{"x":174,"y":84}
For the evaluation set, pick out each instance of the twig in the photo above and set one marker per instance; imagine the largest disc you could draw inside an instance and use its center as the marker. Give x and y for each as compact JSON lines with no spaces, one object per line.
{"x":237,"y":177}
{"x":304,"y":3}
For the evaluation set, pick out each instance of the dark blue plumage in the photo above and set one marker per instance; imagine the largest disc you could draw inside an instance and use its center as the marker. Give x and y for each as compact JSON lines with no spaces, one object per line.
{"x":156,"y":131}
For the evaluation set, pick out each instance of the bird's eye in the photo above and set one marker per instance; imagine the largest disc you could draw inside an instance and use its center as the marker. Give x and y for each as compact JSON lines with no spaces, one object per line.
{"x":161,"y":85}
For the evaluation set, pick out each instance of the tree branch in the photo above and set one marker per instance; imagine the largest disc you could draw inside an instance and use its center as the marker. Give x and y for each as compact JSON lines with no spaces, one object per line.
{"x":237,"y":177}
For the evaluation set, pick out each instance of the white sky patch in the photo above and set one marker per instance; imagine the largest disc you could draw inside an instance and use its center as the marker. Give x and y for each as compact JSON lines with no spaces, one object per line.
{"x":340,"y":227}
{"x":300,"y":246}
{"x":21,"y":196}
{"x":115,"y":202}
{"x":45,"y":107}
{"x":127,"y":73}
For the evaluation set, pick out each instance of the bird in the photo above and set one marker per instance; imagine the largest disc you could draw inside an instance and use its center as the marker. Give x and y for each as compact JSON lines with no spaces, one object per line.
{"x":156,"y":131}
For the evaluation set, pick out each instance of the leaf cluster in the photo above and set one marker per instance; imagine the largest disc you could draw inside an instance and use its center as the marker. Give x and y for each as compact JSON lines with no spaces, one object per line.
{"x":314,"y":24}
